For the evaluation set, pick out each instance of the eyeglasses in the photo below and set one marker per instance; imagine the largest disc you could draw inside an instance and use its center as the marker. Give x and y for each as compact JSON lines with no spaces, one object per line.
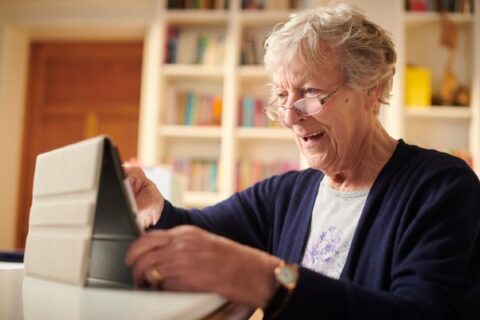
{"x":304,"y":107}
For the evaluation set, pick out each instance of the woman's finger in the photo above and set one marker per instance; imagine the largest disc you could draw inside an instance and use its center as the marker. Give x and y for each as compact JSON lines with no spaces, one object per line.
{"x":147,"y":242}
{"x":153,"y":265}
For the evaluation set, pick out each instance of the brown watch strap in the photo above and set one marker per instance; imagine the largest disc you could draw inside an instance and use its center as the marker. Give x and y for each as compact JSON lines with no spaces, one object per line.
{"x":286,"y":276}
{"x":277,"y":303}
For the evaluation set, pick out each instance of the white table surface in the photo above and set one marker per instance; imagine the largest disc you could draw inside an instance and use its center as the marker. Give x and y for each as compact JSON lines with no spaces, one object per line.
{"x":24,"y":298}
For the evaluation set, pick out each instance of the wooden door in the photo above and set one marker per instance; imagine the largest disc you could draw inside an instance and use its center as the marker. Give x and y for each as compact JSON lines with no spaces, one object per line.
{"x":78,"y":90}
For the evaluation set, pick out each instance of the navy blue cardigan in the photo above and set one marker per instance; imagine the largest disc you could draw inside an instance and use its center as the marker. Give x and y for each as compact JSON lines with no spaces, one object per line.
{"x":415,"y":253}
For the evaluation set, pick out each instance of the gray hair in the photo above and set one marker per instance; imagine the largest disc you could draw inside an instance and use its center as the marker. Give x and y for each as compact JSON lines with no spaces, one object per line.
{"x":365,"y":50}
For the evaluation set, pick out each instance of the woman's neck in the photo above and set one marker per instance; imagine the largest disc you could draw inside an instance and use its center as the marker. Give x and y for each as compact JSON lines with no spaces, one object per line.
{"x":374,"y":150}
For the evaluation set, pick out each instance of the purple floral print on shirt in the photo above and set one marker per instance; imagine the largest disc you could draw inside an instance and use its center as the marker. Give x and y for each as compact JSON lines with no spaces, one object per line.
{"x":326,"y":253}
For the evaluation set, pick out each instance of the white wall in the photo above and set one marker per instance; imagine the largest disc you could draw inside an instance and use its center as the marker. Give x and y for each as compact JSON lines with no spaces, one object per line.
{"x":13,"y":75}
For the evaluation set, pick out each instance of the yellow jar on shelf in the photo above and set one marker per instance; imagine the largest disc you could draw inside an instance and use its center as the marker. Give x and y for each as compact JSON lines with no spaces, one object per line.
{"x":418,"y":87}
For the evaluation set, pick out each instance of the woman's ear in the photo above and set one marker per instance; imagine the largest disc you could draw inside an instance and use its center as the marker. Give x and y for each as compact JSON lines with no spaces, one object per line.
{"x":373,"y":94}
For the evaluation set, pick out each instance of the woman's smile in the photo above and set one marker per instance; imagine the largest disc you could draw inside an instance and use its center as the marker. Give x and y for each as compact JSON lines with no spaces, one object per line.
{"x":312,"y":139}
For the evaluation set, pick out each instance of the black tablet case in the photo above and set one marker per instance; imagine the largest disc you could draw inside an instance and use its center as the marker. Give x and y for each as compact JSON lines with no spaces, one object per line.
{"x":115,"y":228}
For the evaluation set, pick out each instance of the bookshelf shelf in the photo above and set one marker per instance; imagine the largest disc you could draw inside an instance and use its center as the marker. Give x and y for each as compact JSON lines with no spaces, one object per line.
{"x":419,"y":18}
{"x":252,"y":71}
{"x":202,"y":199}
{"x":264,"y":133}
{"x":195,"y":17}
{"x":439,"y":112}
{"x":196,"y":132}
{"x":192,"y":71}
{"x":261,"y":18}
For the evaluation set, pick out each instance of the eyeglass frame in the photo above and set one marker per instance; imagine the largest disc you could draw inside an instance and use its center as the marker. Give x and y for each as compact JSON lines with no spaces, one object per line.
{"x":323,"y":100}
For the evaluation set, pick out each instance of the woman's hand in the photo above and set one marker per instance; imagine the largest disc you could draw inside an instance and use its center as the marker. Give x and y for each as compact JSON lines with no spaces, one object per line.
{"x":187,"y":258}
{"x":149,"y":200}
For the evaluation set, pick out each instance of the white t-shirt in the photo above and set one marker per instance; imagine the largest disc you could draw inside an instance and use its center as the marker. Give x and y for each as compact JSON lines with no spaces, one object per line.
{"x":334,"y":220}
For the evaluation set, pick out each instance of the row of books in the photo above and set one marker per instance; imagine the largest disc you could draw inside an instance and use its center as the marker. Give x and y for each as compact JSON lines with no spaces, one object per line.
{"x":198,"y":4}
{"x":270,"y":4}
{"x":194,"y":108}
{"x":193,"y":46}
{"x":252,"y":171}
{"x":187,"y":107}
{"x":201,"y":174}
{"x":250,"y":112}
{"x":253,"y":46}
{"x":245,"y":4}
{"x":462,"y":6}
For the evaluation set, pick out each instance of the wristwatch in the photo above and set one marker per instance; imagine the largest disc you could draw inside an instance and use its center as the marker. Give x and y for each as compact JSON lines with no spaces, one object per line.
{"x":286,"y":276}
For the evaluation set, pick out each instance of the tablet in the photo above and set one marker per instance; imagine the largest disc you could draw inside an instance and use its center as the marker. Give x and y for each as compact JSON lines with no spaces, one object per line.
{"x":82,"y":218}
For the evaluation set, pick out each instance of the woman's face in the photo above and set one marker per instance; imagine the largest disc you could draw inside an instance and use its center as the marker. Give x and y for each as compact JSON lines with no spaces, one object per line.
{"x":331,"y":140}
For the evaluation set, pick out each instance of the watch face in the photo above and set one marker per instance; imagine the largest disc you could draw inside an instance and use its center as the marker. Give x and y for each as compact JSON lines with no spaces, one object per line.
{"x":287,"y":276}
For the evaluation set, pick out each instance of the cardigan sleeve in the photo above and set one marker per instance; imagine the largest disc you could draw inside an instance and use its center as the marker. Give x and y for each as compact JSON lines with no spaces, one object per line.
{"x":435,"y":265}
{"x":246,"y":217}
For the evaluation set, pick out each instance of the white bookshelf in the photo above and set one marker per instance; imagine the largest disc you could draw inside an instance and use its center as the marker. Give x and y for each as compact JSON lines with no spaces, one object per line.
{"x":413,"y":18}
{"x":192,"y":71}
{"x":202,"y":199}
{"x":192,"y":17}
{"x":446,"y":128}
{"x":160,"y":141}
{"x":274,"y":134}
{"x":439,"y":112}
{"x":252,"y":72}
{"x":195,"y":132}
{"x":415,"y":36}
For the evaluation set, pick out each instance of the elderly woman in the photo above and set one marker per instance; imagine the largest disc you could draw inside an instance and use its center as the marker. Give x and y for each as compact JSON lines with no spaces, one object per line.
{"x":374,"y":229}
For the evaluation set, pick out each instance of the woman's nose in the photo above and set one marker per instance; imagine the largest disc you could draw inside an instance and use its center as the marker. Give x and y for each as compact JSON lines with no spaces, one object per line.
{"x":292,"y":115}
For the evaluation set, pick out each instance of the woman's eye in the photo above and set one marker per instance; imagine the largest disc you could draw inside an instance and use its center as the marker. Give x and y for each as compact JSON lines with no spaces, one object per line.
{"x":281,"y":96}
{"x":311,"y":92}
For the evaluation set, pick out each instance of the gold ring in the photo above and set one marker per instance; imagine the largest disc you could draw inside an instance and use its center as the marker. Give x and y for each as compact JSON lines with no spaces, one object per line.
{"x":156,"y":274}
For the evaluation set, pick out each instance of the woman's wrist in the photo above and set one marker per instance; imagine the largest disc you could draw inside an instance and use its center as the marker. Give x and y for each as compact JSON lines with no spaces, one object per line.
{"x":286,"y":277}
{"x":252,"y":281}
{"x":270,"y":286}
